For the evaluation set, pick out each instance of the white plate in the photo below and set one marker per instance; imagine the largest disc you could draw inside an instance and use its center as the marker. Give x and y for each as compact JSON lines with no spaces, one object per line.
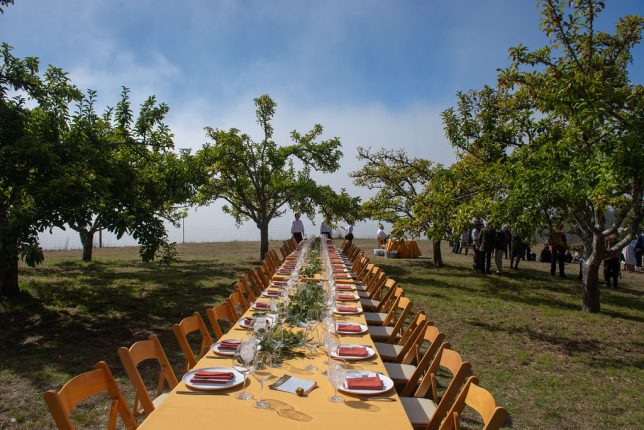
{"x":355,"y":297}
{"x":351,"y":288}
{"x":215,"y":349}
{"x":363,"y":329}
{"x":370,"y":353}
{"x":238,"y":379}
{"x":265,"y":294}
{"x":358,"y":311}
{"x":270,"y":322}
{"x":266,"y":309}
{"x":387,"y":383}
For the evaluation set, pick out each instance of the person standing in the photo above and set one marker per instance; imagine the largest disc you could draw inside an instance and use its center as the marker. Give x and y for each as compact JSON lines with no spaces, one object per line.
{"x":516,"y":251}
{"x":381,"y":236}
{"x":486,"y":247}
{"x":558,"y":245}
{"x":325,"y":229}
{"x":629,"y":255}
{"x":465,"y":241}
{"x":500,"y":248}
{"x":348,"y":232}
{"x":611,"y":263}
{"x":475,"y":239}
{"x":508,"y":240}
{"x":297,"y":228}
{"x":639,"y":249}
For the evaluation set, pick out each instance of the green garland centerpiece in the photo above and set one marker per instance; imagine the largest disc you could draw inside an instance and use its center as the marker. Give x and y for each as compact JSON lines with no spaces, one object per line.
{"x":309,"y":297}
{"x":281,"y":342}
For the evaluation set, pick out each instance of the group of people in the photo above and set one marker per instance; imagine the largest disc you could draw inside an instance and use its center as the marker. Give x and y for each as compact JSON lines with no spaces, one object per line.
{"x":297,"y":229}
{"x":486,"y":241}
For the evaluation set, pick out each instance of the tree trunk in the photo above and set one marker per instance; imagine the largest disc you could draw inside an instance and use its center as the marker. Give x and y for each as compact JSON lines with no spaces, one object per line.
{"x":263,"y":247}
{"x":438,"y":258}
{"x":9,"y":278}
{"x":87,"y":239}
{"x":590,"y":275}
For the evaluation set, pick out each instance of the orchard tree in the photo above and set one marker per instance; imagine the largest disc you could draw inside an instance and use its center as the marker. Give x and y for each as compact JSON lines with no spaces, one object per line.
{"x":35,"y":166}
{"x":566,"y":131}
{"x":399,"y":180}
{"x":132,"y":180}
{"x":259,"y":180}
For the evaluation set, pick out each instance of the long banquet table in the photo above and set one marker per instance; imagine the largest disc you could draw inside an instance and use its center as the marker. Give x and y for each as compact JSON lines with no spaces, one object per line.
{"x":288,"y":411}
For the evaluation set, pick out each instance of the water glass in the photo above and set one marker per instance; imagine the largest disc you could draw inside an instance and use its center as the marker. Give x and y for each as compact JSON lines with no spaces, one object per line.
{"x":262,"y":373}
{"x":337,"y":374}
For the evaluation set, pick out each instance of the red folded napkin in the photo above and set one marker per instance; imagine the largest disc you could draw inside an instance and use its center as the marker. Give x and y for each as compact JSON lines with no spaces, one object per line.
{"x":346,"y":296}
{"x":249,"y":321}
{"x":273,"y":292}
{"x":229,"y":345}
{"x":364,"y":383}
{"x":340,"y":275}
{"x":280,"y":283}
{"x":262,"y":305}
{"x":209,"y":377}
{"x":344,"y":287}
{"x":349,"y":328}
{"x":347,"y":309}
{"x":352,"y":351}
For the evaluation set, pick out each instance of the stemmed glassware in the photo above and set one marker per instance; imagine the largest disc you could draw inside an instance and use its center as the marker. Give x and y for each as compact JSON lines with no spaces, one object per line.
{"x":262,"y":373}
{"x":337,"y":374}
{"x":311,"y":323}
{"x":243,"y":360}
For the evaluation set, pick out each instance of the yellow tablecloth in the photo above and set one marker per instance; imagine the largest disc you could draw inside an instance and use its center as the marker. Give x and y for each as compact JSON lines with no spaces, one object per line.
{"x":312,"y":412}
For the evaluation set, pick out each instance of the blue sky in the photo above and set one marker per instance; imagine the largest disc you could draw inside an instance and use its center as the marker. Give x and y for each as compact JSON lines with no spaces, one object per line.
{"x":374,"y":73}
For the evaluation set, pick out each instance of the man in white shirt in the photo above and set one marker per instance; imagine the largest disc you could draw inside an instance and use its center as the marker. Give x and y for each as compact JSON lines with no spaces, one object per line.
{"x":348,"y":230}
{"x":381,"y":235}
{"x":297,"y":228}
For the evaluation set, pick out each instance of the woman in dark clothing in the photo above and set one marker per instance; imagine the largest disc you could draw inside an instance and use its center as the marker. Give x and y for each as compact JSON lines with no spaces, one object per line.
{"x":517,"y":251}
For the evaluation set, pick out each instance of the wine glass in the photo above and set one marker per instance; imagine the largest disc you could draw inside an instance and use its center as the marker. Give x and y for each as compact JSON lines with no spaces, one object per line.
{"x":260,"y":323}
{"x":243,"y":360}
{"x":337,"y":374}
{"x":262,"y":373}
{"x":311,"y":323}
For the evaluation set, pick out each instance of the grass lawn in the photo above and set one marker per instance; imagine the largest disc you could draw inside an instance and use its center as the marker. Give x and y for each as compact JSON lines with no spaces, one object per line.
{"x":550,"y":365}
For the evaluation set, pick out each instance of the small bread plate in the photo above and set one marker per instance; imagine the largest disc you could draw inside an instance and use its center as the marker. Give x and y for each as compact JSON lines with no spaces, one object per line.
{"x":347,"y":310}
{"x":237,"y":379}
{"x":387,"y":383}
{"x":215,"y":347}
{"x":335,"y":353}
{"x":363,"y":328}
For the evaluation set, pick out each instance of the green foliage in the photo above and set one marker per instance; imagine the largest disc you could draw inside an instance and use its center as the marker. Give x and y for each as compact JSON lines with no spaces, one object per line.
{"x":35,"y":166}
{"x":398,"y":180}
{"x":282,"y":342}
{"x":129,"y":178}
{"x":560,"y":138}
{"x":259,"y":180}
{"x":309,"y":297}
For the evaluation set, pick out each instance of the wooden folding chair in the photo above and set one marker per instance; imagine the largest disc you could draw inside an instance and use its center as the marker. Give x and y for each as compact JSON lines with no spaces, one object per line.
{"x":371,"y":298}
{"x":224,"y":312}
{"x":238,"y":302}
{"x":79,"y":388}
{"x":481,"y":401}
{"x":255,"y":282}
{"x":396,"y":352}
{"x":245,"y":288}
{"x":414,"y":363}
{"x":394,"y":323}
{"x":385,"y":309}
{"x":188,"y":325}
{"x":139,"y":352}
{"x":284,"y":250}
{"x":427,"y":408}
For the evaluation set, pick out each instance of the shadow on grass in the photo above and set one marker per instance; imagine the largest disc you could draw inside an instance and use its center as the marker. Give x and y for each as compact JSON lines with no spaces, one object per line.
{"x":73,"y":314}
